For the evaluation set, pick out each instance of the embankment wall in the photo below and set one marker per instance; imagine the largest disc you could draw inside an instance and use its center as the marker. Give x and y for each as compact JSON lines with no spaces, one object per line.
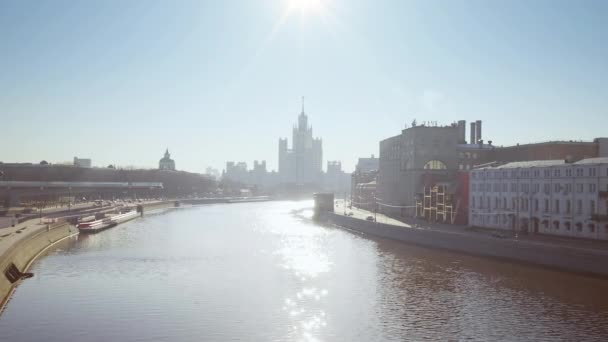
{"x":542,"y":254}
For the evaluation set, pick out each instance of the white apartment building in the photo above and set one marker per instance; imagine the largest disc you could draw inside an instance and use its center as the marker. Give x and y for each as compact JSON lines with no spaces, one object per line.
{"x":549,"y":197}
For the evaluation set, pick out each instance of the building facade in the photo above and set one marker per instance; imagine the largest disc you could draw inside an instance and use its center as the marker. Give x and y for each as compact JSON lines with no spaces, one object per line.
{"x":367,"y":164}
{"x":166,"y":163}
{"x":335,"y":179}
{"x":420,"y":156}
{"x":258,"y":177}
{"x":366,"y":171}
{"x":82,"y":162}
{"x":553,"y":197}
{"x":302,"y":164}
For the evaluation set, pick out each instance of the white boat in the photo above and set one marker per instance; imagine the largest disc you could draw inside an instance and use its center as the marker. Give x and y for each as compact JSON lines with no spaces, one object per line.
{"x":106,"y":222}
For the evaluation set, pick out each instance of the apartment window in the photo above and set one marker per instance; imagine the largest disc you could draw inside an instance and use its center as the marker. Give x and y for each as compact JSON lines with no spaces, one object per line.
{"x":504,"y":203}
{"x":579,"y":172}
{"x":592,"y":172}
{"x":568,"y":187}
{"x":546,"y":208}
{"x":579,"y":206}
{"x":568,"y":206}
{"x":569,"y":172}
{"x":592,"y":228}
{"x":473,"y":202}
{"x":504,"y":187}
{"x":536,"y":204}
{"x":556,"y":187}
{"x":557,"y":206}
{"x":547,"y":188}
{"x":592,"y":188}
{"x":496,"y":204}
{"x":480,"y":202}
{"x":592,"y":207}
{"x":579,"y":188}
{"x":556,"y":173}
{"x":474,"y":187}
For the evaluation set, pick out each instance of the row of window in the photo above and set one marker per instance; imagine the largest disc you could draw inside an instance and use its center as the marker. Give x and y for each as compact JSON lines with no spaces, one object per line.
{"x":525,"y":187}
{"x":516,"y":173}
{"x":556,"y":225}
{"x":523,"y":204}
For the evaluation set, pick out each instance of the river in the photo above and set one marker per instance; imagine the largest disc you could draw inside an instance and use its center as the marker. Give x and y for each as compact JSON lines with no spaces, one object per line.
{"x":257,"y":272}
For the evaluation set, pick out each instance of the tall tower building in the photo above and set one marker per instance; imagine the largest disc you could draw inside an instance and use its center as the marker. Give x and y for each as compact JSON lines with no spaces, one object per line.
{"x":302,"y":164}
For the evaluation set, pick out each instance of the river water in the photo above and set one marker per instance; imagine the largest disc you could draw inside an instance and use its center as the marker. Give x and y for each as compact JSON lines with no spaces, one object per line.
{"x":257,"y":272}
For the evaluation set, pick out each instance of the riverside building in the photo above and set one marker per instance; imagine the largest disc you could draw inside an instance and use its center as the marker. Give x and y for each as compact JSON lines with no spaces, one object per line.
{"x":554,"y":197}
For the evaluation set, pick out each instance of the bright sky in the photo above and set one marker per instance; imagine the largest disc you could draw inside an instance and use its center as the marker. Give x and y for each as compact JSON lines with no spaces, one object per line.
{"x":119,"y":81}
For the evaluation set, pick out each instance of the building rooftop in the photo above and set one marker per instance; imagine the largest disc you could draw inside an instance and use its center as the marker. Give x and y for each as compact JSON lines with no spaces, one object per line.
{"x":525,"y":164}
{"x":542,"y":163}
{"x":599,"y":160}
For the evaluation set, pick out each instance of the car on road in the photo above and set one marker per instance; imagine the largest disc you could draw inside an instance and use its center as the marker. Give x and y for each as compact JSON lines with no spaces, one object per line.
{"x":370,"y":218}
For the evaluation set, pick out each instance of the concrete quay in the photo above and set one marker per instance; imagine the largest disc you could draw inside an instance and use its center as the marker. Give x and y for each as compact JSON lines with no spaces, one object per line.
{"x":21,"y":245}
{"x":583,"y":257}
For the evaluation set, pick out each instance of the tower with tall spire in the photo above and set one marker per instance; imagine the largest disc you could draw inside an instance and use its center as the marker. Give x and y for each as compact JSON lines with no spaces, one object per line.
{"x":302,"y":164}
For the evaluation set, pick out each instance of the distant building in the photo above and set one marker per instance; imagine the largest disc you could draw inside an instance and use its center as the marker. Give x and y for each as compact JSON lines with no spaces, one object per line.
{"x":335,"y":179}
{"x":555,"y":197}
{"x":367,"y":164}
{"x":236,"y":172}
{"x":82,"y":162}
{"x":302,"y":164}
{"x":259,"y":176}
{"x":166,"y":163}
{"x":212,"y":172}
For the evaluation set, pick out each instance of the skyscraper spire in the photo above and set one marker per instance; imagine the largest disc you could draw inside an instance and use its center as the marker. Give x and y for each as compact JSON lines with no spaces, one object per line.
{"x":302,"y":104}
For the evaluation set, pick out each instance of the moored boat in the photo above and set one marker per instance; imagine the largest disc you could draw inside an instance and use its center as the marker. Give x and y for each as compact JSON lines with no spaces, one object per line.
{"x":105,"y":223}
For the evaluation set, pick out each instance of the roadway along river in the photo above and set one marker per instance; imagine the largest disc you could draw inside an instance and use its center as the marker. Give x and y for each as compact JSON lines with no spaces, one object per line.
{"x":256,"y":272}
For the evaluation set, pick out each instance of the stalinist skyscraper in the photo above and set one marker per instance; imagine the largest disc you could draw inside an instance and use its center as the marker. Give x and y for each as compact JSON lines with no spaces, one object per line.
{"x":302,"y":163}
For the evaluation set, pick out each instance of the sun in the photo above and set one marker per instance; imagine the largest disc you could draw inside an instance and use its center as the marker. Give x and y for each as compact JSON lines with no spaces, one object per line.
{"x":304,"y":6}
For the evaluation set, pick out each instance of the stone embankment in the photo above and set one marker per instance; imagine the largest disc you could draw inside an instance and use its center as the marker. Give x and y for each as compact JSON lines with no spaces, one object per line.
{"x":573,"y":258}
{"x":21,"y":245}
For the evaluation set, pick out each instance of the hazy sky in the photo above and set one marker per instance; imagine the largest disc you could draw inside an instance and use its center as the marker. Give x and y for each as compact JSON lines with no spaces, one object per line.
{"x":119,"y":81}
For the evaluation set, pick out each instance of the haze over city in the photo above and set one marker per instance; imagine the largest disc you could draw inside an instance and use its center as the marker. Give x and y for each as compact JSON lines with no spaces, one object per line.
{"x":222,"y":80}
